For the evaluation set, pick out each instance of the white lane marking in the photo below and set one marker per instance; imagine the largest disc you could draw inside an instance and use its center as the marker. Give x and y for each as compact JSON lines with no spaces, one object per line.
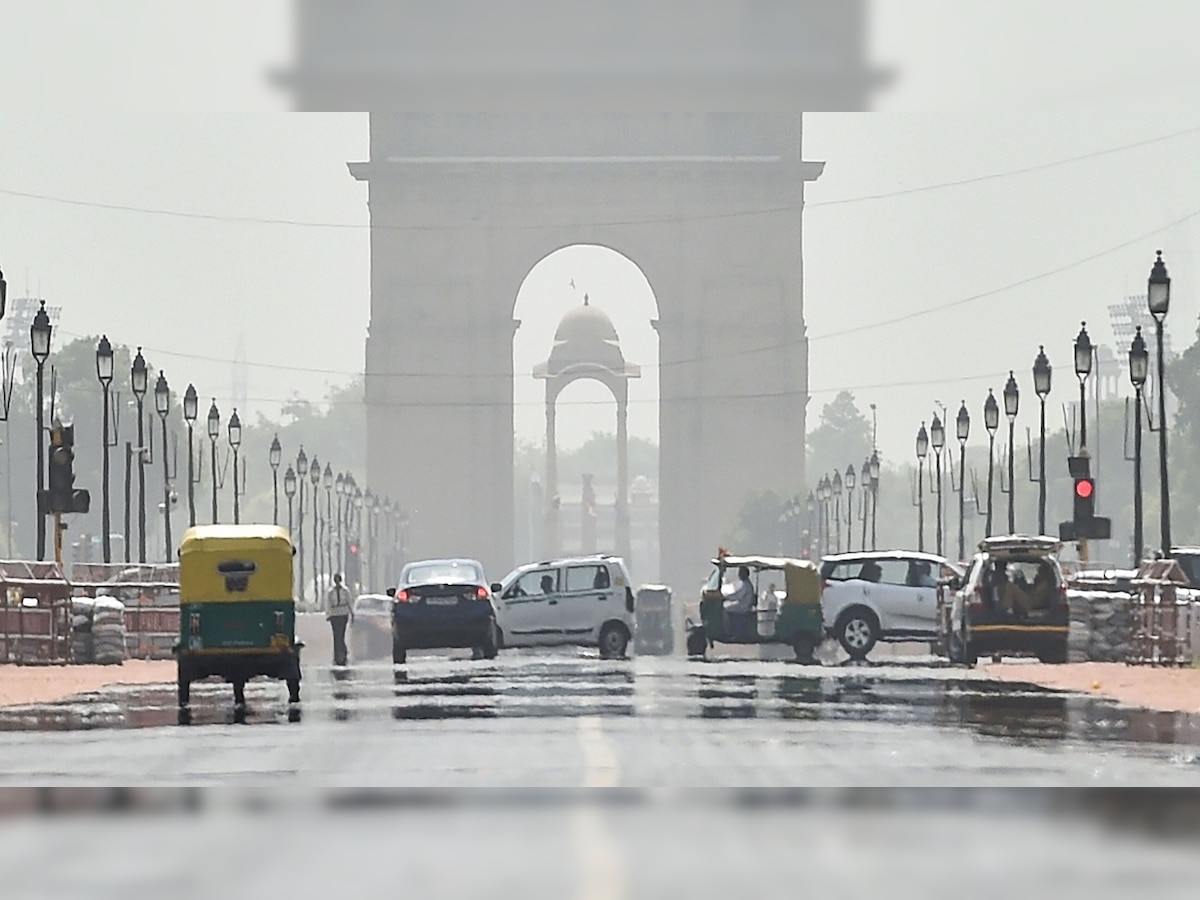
{"x":602,"y":767}
{"x":601,"y":873}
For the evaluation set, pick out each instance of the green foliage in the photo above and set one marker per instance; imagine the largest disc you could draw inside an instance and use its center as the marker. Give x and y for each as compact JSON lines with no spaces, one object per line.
{"x":758,"y":528}
{"x":843,"y":438}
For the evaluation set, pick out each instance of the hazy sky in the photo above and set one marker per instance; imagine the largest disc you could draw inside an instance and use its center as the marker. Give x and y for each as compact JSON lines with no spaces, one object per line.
{"x":126,"y":110}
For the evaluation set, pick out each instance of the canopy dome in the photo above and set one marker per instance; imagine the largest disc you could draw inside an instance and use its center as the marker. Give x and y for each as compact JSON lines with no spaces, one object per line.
{"x":586,"y":339}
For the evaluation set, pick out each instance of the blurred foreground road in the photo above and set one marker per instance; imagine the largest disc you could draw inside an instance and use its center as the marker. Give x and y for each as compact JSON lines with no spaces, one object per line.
{"x":567,"y":720}
{"x":453,"y":778}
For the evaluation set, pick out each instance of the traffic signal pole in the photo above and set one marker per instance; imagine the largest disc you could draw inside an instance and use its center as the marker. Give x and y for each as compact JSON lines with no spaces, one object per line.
{"x":1083,"y":544}
{"x":59,"y":527}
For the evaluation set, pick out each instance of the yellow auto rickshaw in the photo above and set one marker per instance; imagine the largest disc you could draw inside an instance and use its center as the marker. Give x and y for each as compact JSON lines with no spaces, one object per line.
{"x":237,"y":611}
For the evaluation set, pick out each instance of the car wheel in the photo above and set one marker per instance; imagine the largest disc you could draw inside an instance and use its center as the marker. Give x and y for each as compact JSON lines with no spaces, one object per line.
{"x":857,"y":631}
{"x":614,"y":641}
{"x":1053,"y":655}
{"x":954,"y":649}
{"x":491,"y":642}
{"x":399,"y":653}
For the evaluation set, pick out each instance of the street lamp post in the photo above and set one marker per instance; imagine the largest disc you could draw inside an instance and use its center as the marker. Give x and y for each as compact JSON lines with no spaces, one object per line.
{"x":873,"y":467}
{"x":138,"y":378}
{"x":339,"y":488}
{"x":867,"y":499}
{"x":214,"y":432}
{"x":1083,"y":368}
{"x":302,"y":477}
{"x":275,"y":457}
{"x":235,"y":441}
{"x":1042,"y":376}
{"x":824,"y":491}
{"x":922,"y":452}
{"x":1158,"y":296}
{"x":991,"y":422}
{"x":104,"y":372}
{"x":1012,"y":400}
{"x":836,"y":487}
{"x":39,"y":338}
{"x":850,"y":480}
{"x":314,"y":477}
{"x":191,"y":410}
{"x":1139,"y":366}
{"x":289,"y":491}
{"x":162,"y":405}
{"x":962,"y":427}
{"x":328,"y":484}
{"x":937,"y":440}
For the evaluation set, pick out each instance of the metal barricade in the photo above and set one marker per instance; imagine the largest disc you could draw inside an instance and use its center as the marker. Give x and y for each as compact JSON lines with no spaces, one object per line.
{"x":35,"y":613}
{"x":1162,"y":616}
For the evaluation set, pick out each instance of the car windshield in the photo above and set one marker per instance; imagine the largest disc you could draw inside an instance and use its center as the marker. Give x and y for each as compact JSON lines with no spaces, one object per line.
{"x":450,"y":572}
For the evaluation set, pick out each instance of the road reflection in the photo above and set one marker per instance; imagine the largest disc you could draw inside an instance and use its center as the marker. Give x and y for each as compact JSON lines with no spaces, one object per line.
{"x":565,"y":686}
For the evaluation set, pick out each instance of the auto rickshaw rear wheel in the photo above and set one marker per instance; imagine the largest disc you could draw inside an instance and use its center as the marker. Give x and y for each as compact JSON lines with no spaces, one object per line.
{"x":293,"y":686}
{"x":805,"y":646}
{"x":697,"y":642}
{"x":239,"y":693}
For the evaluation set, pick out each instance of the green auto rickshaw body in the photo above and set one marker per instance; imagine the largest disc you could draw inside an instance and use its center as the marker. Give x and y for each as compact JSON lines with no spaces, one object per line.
{"x":797,"y":619}
{"x":237,"y":612}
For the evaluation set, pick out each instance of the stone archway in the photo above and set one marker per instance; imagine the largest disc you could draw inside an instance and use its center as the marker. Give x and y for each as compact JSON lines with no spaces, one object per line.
{"x":707,"y":205}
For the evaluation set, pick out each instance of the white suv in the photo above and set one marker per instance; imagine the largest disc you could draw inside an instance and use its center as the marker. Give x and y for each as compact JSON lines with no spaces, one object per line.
{"x":583,"y":601}
{"x":889,"y":596}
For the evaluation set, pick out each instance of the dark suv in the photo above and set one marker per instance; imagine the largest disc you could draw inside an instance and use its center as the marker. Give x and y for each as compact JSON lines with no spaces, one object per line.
{"x":1014,"y":602}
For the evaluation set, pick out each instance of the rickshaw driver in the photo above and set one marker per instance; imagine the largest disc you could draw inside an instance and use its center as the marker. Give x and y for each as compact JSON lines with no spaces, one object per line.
{"x":739,"y":606}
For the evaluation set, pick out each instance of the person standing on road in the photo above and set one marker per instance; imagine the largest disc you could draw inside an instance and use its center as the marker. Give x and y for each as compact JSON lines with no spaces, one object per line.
{"x":338,"y":612}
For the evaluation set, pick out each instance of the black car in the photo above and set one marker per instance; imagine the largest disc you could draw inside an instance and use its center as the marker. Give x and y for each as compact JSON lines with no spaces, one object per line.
{"x":443,"y":603}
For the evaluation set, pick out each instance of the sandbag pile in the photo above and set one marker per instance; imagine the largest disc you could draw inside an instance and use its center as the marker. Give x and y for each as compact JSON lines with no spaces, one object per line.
{"x":108,"y":631}
{"x":83,"y":646}
{"x":1101,"y":626}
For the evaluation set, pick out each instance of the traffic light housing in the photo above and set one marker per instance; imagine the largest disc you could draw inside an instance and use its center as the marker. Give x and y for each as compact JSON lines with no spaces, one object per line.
{"x":1085,"y":501}
{"x":1084,"y":523}
{"x":61,"y":494}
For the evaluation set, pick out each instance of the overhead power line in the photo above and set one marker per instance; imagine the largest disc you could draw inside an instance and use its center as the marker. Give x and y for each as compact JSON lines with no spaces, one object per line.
{"x":724,"y":354}
{"x":478,"y":225}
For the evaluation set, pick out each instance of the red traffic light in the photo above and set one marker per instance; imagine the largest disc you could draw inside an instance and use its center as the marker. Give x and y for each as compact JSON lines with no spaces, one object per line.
{"x":354,"y":548}
{"x":1084,"y":488}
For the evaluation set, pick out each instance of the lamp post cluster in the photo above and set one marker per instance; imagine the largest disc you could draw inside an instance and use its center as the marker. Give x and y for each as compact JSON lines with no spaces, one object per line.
{"x":345,"y":532}
{"x":1084,"y":354}
{"x":362,"y":521}
{"x":827,"y":514}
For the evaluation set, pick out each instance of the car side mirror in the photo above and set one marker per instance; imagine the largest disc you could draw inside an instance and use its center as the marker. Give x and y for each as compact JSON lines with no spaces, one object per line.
{"x":496,"y":587}
{"x":391,"y":592}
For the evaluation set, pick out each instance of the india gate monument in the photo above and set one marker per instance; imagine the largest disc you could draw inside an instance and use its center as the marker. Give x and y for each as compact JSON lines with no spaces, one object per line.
{"x":463,"y":205}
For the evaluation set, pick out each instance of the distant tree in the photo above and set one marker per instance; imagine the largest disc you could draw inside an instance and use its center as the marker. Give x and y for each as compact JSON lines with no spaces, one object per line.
{"x":843,"y":438}
{"x":757,"y":528}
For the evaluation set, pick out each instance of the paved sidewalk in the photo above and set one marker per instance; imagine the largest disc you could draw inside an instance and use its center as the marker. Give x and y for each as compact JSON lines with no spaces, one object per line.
{"x":39,"y":684}
{"x":1149,"y":687}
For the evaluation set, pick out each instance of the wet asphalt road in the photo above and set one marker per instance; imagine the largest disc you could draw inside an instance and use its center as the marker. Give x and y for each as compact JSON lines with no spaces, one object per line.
{"x":570,"y":719}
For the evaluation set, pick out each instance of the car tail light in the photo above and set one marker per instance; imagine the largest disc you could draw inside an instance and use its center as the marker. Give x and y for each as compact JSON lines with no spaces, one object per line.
{"x":194,"y":624}
{"x":481,"y":593}
{"x":403,"y":596}
{"x":279,"y":621}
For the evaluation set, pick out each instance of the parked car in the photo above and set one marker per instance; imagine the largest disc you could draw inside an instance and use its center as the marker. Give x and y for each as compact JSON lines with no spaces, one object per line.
{"x":1014,"y":601}
{"x":887,"y":596}
{"x":371,"y":630}
{"x":443,"y":603}
{"x":583,"y":601}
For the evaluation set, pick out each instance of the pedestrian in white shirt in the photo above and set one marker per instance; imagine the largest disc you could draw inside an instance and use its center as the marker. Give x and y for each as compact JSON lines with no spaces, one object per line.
{"x":339,"y":612}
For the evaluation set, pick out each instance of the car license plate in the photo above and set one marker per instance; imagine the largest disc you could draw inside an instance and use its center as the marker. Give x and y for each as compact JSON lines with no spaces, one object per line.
{"x":441,"y":601}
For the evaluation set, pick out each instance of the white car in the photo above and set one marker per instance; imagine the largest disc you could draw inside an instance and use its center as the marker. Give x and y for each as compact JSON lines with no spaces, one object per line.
{"x":889,"y":596}
{"x":583,"y":601}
